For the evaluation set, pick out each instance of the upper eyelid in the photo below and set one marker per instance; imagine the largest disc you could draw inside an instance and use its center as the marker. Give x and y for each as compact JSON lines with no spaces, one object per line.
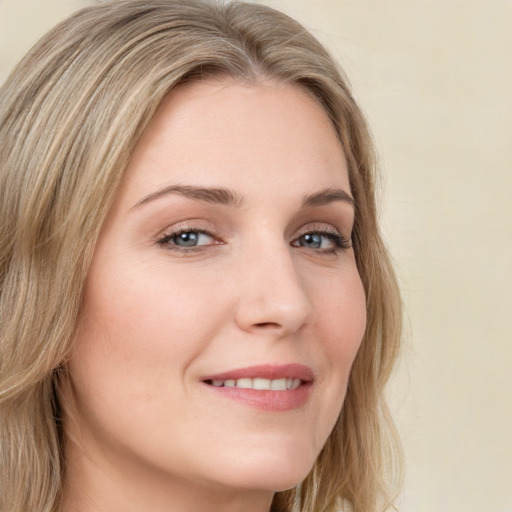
{"x":189,"y":225}
{"x":207,"y":228}
{"x":320,"y":227}
{"x":324,"y":228}
{"x":201,"y":224}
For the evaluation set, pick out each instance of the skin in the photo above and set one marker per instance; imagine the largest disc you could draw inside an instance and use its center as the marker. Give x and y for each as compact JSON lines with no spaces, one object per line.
{"x":144,"y":431}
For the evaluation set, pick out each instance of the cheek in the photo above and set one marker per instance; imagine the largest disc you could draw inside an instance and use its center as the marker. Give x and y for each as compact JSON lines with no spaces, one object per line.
{"x":342,"y":317}
{"x":141,"y":329}
{"x":340,"y":327}
{"x":138,"y":335}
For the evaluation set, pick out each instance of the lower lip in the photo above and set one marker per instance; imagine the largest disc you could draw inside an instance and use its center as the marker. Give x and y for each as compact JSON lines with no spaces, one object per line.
{"x":267,"y":400}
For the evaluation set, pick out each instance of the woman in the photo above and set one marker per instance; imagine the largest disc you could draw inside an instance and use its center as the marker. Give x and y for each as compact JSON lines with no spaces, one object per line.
{"x":197,"y":310}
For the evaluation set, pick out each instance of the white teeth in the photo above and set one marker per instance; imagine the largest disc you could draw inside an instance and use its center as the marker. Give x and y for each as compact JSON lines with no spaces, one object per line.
{"x":259,"y":383}
{"x":278,"y":384}
{"x":244,"y":383}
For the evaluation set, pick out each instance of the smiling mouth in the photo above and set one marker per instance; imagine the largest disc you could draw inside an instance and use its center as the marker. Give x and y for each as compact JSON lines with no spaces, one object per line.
{"x":258,"y":383}
{"x":271,"y":388}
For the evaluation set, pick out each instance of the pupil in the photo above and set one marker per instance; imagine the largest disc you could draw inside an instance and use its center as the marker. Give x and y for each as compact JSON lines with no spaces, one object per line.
{"x":187,"y":239}
{"x":313,"y":241}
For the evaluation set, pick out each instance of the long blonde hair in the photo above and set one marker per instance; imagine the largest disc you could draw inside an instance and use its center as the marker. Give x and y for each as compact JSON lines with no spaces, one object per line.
{"x":71,"y":114}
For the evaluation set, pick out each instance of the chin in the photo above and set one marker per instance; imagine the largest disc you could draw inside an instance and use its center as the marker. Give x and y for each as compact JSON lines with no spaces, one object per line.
{"x":271,"y":481}
{"x":275,"y":472}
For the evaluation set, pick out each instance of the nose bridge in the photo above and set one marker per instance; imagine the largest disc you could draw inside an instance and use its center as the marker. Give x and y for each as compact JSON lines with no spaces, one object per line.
{"x":273,"y":296}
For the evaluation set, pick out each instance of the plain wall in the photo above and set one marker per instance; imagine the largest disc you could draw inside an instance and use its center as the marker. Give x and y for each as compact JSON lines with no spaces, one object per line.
{"x":435,"y":80}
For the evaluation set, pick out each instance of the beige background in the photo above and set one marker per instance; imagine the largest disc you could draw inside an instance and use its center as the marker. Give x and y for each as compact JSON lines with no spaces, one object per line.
{"x":435,"y":79}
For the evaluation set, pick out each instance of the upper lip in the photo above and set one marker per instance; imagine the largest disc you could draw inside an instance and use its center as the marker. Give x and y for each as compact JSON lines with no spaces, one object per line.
{"x":266,"y":371}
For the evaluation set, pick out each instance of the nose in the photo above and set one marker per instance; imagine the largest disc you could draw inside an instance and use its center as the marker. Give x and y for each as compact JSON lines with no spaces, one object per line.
{"x":273,"y":297}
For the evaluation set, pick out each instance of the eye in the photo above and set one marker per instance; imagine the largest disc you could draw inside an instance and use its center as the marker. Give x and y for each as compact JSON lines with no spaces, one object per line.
{"x":323,"y":241}
{"x":187,"y":238}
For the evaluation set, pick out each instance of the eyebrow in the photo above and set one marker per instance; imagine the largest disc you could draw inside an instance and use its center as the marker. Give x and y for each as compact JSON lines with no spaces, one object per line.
{"x":224,"y":196}
{"x":221,"y":196}
{"x":326,"y":196}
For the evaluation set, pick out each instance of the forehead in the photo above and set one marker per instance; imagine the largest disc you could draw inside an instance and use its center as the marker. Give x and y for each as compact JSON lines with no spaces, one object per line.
{"x":225,"y":133}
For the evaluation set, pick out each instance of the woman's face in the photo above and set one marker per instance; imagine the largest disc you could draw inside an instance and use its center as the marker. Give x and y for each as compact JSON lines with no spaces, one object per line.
{"x":223,"y":308}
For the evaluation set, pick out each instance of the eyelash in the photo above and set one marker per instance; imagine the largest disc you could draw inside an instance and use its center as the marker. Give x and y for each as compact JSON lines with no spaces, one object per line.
{"x":340,"y":243}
